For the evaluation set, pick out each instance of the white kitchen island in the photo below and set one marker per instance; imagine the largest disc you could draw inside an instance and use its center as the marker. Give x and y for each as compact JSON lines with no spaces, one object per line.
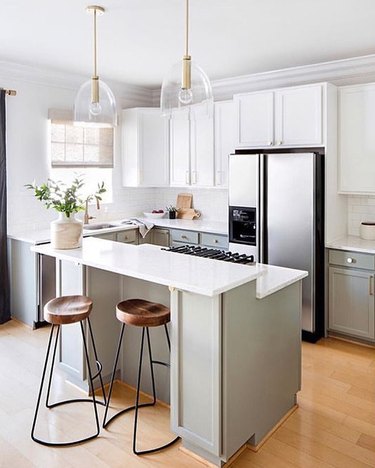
{"x":235,"y":336}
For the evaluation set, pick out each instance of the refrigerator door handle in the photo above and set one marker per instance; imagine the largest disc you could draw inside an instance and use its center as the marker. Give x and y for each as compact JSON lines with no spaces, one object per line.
{"x":260,"y":210}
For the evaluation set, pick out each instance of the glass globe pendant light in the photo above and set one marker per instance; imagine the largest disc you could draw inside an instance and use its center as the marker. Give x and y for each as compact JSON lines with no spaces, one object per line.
{"x":186,"y":90}
{"x":95,"y":104}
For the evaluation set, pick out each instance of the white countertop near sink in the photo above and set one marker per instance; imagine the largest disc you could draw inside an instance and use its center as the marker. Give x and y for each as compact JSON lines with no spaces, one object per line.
{"x":352,"y":243}
{"x":194,"y":274}
{"x":43,"y":236}
{"x":200,"y":225}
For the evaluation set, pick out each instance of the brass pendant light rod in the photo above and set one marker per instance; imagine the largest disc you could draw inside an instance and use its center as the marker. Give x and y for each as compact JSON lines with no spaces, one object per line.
{"x":95,"y":10}
{"x":95,"y":40}
{"x":186,"y":27}
{"x":10,"y":92}
{"x":186,"y":60}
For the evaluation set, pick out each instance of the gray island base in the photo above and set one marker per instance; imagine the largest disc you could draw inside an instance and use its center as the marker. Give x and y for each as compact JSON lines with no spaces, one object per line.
{"x":235,"y":337}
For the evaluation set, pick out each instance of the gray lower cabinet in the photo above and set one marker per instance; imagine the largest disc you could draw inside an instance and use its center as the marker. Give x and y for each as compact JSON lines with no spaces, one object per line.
{"x":157,"y":236}
{"x":32,"y":282}
{"x":161,"y":237}
{"x":180,"y":237}
{"x":351,"y":294}
{"x":126,"y":237}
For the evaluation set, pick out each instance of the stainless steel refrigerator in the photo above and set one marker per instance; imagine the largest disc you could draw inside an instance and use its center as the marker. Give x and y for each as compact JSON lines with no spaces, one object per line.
{"x":276,"y":213}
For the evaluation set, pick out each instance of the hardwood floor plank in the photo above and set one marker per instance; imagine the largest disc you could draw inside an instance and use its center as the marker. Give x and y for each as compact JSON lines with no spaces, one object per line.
{"x":318,"y":449}
{"x":333,"y":427}
{"x":293,"y":455}
{"x":367,"y":442}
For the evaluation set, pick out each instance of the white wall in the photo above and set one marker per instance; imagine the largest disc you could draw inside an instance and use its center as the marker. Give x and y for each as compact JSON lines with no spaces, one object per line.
{"x":27,"y":152}
{"x":360,"y":208}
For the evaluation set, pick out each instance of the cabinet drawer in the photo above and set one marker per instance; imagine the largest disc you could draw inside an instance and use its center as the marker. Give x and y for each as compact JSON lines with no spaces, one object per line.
{"x":352,"y":259}
{"x":214,"y":240}
{"x":187,"y":237}
{"x":127,"y":236}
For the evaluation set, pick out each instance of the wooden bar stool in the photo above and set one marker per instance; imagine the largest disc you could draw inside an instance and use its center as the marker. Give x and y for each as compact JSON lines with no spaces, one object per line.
{"x":62,"y":311}
{"x":145,"y":314}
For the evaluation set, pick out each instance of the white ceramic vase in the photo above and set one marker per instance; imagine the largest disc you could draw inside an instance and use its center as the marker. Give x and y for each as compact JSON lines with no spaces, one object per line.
{"x":66,"y":233}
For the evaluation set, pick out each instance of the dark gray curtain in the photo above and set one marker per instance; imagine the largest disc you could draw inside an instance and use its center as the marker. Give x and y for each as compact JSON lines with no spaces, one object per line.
{"x":4,"y":274}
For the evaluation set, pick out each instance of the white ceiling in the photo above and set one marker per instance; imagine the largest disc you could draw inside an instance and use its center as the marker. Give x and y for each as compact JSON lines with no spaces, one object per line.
{"x":140,"y":39}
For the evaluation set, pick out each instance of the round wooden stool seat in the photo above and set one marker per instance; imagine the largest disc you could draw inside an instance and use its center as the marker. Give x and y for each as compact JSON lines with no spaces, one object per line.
{"x":67,"y":309}
{"x":141,"y":313}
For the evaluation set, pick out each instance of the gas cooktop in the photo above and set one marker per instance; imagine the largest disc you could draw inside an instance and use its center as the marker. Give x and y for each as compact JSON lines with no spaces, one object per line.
{"x":215,"y":254}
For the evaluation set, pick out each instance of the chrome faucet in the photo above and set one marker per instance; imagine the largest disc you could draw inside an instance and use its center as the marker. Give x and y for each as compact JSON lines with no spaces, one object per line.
{"x":87,"y":217}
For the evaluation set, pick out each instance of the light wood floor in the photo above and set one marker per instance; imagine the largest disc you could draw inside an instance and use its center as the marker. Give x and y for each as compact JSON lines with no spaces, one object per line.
{"x":334,"y":425}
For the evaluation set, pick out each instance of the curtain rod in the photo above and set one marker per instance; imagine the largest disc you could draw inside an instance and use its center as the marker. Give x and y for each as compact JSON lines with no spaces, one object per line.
{"x":10,"y":92}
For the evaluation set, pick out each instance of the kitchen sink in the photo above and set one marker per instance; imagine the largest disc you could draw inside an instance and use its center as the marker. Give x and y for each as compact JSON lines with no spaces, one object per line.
{"x":94,"y":227}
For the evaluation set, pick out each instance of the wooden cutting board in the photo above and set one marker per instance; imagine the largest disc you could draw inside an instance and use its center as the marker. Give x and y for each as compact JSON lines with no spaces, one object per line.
{"x":187,"y":213}
{"x":184,"y":200}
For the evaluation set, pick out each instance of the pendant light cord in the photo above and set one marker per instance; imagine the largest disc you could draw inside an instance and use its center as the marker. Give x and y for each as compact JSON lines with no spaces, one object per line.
{"x":95,"y":40}
{"x":186,"y":27}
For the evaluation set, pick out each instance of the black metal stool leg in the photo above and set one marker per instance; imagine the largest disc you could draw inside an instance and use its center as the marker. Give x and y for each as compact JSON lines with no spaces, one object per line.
{"x":91,"y":388}
{"x":152,"y":362}
{"x":52,"y":366}
{"x":137,"y":396}
{"x":105,"y":422}
{"x":151,"y":366}
{"x":41,"y":386}
{"x":167,"y":335}
{"x":98,"y":363}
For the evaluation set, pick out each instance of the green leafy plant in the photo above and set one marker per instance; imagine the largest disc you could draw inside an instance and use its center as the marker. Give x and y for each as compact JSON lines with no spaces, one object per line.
{"x":63,"y":198}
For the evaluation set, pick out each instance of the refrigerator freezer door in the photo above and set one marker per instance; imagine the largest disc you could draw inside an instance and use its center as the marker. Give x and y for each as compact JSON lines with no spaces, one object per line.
{"x":243,"y":180}
{"x":290,"y":222}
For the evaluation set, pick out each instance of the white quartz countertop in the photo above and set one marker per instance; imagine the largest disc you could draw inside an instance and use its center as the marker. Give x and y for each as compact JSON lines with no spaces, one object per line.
{"x":42,"y":236}
{"x":201,"y":225}
{"x":353,"y":243}
{"x":194,"y":274}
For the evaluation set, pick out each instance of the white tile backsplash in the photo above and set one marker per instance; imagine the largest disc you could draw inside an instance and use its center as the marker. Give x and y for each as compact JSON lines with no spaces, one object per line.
{"x":360,"y":208}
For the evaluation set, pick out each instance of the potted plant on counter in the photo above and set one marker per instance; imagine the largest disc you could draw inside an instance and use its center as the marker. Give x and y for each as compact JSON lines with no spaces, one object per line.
{"x":66,"y":231}
{"x":172,"y":211}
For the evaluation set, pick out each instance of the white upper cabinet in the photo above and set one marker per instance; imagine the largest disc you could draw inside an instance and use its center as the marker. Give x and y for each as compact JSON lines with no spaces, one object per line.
{"x":286,"y":117}
{"x":225,"y":139}
{"x":202,"y":152}
{"x":255,"y":124}
{"x":191,"y":151}
{"x":145,"y":152}
{"x":299,"y":114}
{"x":357,"y":139}
{"x":179,"y":151}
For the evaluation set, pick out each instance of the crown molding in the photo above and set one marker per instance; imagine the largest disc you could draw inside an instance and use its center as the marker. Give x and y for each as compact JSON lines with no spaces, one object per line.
{"x":129,"y":95}
{"x":339,"y":72}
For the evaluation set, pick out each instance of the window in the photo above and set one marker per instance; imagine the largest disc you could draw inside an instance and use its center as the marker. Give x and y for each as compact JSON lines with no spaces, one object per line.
{"x":74,"y":145}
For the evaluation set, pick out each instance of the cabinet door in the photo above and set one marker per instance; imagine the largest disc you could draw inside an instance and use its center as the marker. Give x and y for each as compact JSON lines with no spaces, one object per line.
{"x":224,"y":139}
{"x":160,"y":237}
{"x":255,"y":120}
{"x":128,"y":236}
{"x":153,"y":148}
{"x":145,"y":153}
{"x":202,"y":152}
{"x":357,"y":139}
{"x":351,"y":302}
{"x":298,"y":120}
{"x":109,"y":236}
{"x":179,"y":151}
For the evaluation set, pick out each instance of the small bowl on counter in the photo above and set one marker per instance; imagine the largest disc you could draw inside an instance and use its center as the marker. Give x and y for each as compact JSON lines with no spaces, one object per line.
{"x":154,"y":215}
